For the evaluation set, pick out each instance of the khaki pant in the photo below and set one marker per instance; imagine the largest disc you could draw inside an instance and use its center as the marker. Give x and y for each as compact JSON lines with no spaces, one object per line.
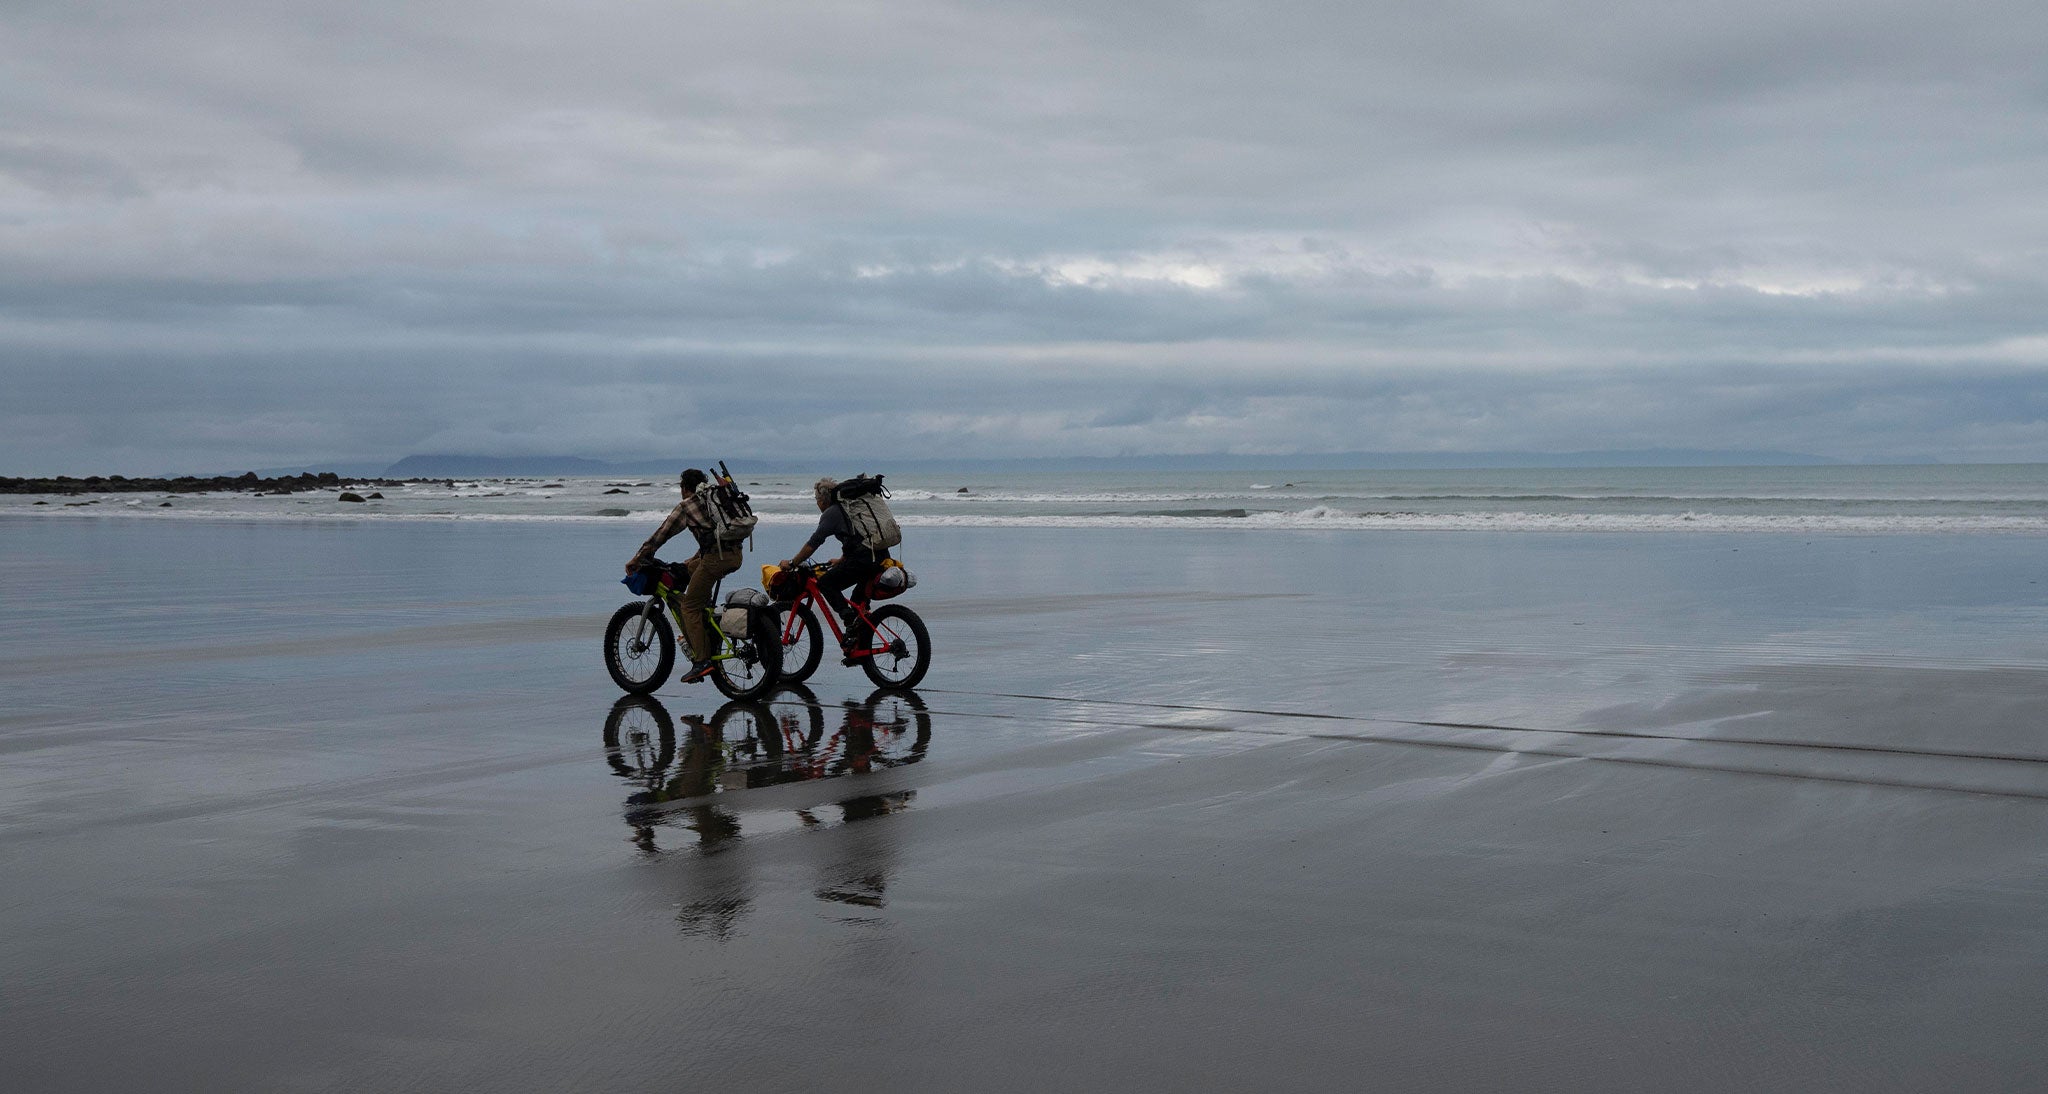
{"x":705,"y":570}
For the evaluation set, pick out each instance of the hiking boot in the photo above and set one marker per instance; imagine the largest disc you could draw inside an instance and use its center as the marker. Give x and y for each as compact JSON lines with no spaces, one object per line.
{"x":698,"y":671}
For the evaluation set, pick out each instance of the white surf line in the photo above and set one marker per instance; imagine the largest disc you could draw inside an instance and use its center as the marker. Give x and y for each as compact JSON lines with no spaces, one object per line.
{"x":1623,"y":734}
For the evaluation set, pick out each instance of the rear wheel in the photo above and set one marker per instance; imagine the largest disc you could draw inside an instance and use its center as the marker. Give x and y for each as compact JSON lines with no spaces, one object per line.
{"x":756,"y":662}
{"x":803,"y":641}
{"x":901,"y":719}
{"x":905,"y":648}
{"x":639,"y":648}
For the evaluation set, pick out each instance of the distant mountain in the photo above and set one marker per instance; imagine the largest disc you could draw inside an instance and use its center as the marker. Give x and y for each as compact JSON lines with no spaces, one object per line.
{"x":493,"y":467}
{"x":367,"y":469}
{"x":476,"y":467}
{"x":498,"y":467}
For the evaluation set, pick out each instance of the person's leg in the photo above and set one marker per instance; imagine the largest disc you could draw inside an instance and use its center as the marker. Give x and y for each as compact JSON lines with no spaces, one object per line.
{"x":704,"y":573}
{"x":849,"y":573}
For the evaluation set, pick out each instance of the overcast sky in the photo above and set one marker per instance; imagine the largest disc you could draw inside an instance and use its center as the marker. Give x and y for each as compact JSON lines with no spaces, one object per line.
{"x":240,"y":234}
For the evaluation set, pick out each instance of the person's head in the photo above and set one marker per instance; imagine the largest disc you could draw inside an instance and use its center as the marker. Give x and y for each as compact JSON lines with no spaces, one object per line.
{"x":822,"y":491}
{"x":692,"y":479}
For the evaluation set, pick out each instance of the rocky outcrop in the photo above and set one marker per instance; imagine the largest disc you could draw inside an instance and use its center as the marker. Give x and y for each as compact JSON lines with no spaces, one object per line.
{"x":247,"y":483}
{"x":187,"y":484}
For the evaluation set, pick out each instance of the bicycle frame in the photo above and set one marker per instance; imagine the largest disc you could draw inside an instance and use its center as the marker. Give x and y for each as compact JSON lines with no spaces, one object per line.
{"x":671,"y":597}
{"x":814,"y":596}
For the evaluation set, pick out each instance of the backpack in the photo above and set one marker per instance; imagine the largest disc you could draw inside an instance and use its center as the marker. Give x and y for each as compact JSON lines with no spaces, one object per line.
{"x":732,"y":518}
{"x":867,"y":510}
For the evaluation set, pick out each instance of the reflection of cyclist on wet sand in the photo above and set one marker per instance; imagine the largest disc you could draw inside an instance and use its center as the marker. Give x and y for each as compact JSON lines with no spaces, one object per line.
{"x":695,"y":777}
{"x":746,"y":746}
{"x":753,"y":742}
{"x":876,"y":733}
{"x":859,"y":874}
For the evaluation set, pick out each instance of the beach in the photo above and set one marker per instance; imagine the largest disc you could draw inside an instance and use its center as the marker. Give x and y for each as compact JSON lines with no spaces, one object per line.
{"x":347,"y":804}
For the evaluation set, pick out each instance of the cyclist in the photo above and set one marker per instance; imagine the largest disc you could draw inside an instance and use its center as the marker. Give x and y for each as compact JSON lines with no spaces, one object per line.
{"x":851,"y":570}
{"x":711,"y":562}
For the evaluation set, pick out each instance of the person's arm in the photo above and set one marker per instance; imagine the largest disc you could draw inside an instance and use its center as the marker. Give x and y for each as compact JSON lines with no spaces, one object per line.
{"x":827,"y":526}
{"x":671,"y":526}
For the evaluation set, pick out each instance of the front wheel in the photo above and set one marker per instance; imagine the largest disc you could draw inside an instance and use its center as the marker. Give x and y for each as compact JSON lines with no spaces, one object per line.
{"x":639,"y":738}
{"x":903,"y":648}
{"x":639,"y":648}
{"x":798,"y":714}
{"x":803,"y":641}
{"x":756,"y":662}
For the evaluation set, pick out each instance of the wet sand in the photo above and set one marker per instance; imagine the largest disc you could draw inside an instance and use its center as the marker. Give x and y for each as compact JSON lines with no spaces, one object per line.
{"x":355,"y":807}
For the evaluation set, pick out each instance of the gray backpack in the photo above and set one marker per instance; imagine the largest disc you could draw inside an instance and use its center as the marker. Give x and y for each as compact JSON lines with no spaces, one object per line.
{"x":732,"y":518}
{"x":865,"y":501}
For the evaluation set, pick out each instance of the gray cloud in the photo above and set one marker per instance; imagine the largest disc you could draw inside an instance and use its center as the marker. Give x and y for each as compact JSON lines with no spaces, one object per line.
{"x":237,"y":234}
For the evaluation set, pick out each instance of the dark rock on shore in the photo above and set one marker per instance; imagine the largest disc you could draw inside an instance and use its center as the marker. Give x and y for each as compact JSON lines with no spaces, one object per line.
{"x":348,"y":496}
{"x":379,"y":496}
{"x":190,"y":484}
{"x":616,"y":490}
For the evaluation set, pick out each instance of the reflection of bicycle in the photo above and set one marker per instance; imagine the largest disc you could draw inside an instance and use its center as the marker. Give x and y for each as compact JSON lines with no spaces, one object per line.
{"x":798,"y":715}
{"x":639,"y":738}
{"x":640,"y":642}
{"x":896,"y":725}
{"x":745,"y":745}
{"x":894,"y":648}
{"x":677,"y":800}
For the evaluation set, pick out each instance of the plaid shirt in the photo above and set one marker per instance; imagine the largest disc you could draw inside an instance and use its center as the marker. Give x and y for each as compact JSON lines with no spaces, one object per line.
{"x":688,"y":513}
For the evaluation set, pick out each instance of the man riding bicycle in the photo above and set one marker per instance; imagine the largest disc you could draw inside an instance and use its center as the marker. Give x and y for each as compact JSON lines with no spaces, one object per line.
{"x":712,"y":561}
{"x":854,"y":566}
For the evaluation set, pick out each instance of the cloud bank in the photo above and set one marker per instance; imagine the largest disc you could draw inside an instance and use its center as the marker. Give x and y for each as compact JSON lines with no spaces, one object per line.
{"x":240,"y":234}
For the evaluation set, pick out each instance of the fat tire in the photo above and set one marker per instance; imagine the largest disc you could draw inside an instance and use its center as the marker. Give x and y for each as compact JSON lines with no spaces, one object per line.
{"x":663,"y":747}
{"x":665,"y":639}
{"x":794,"y":706}
{"x":913,"y":715}
{"x":812,"y":644}
{"x":899,"y":615}
{"x":766,"y":643}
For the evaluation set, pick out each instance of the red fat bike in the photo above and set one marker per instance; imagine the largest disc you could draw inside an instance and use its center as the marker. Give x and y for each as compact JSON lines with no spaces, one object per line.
{"x":889,"y":643}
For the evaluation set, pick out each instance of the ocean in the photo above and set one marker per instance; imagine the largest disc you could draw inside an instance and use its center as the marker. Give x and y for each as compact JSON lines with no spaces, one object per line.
{"x":2004,"y":498}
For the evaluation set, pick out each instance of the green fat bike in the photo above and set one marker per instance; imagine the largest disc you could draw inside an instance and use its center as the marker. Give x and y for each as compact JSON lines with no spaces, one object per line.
{"x":640,"y":640}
